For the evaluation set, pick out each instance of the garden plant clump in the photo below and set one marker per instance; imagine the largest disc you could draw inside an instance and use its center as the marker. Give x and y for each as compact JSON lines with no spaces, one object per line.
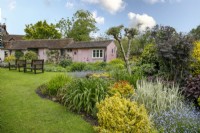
{"x":123,"y":88}
{"x":192,"y":88}
{"x":117,"y":114}
{"x":83,"y":94}
{"x":54,"y":86}
{"x":158,"y":97}
{"x":184,"y":120}
{"x":196,"y":58}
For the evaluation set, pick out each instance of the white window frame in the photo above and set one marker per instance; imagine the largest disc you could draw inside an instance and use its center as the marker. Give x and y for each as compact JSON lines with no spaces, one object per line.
{"x":96,"y":53}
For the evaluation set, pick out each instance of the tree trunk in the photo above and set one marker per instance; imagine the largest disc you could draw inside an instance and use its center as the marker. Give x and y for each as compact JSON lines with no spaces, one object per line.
{"x":127,"y":56}
{"x":126,"y":59}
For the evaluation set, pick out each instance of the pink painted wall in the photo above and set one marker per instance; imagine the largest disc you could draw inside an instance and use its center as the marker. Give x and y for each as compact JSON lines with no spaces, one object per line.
{"x":111,"y":52}
{"x":84,"y":55}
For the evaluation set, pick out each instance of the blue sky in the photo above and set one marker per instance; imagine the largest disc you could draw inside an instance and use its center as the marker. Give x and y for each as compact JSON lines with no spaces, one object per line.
{"x":180,"y":14}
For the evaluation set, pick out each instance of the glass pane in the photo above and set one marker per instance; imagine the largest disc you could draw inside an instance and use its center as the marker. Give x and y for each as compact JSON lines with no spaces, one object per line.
{"x":97,"y":53}
{"x":101,"y":53}
{"x":94,"y":53}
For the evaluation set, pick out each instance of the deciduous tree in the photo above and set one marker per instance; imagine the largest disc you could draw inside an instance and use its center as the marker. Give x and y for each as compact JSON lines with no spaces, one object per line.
{"x":79,"y":27}
{"x":130,"y":34}
{"x":41,"y":30}
{"x":196,"y":33}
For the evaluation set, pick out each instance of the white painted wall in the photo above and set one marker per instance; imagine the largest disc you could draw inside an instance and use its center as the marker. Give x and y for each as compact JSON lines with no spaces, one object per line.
{"x":2,"y":54}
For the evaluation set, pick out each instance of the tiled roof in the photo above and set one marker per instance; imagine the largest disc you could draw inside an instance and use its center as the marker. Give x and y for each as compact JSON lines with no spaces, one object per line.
{"x":14,"y":37}
{"x":40,"y":43}
{"x":92,"y":44}
{"x":54,"y":44}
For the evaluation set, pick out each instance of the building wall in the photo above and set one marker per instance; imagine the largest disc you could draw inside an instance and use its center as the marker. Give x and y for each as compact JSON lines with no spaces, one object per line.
{"x":42,"y":54}
{"x":111,"y":52}
{"x":2,"y":54}
{"x":84,"y":55}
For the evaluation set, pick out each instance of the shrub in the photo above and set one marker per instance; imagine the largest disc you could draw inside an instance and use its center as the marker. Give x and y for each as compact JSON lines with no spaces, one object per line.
{"x":54,"y":68}
{"x":116,"y":114}
{"x":99,"y":75}
{"x":157,"y":97}
{"x":116,"y":64}
{"x":83,"y":94}
{"x":30,"y":55}
{"x":101,"y":64}
{"x":4,"y":64}
{"x":19,"y":54}
{"x":97,"y":66}
{"x":145,"y":69}
{"x":174,"y":51}
{"x":111,"y":67}
{"x":186,"y":120}
{"x":116,"y":61}
{"x":149,"y":55}
{"x":192,"y":87}
{"x":10,"y":58}
{"x":123,"y":88}
{"x":77,"y":66}
{"x":196,"y":51}
{"x":199,"y":101}
{"x":196,"y":56}
{"x":118,"y":75}
{"x":65,"y":63}
{"x":56,"y":83}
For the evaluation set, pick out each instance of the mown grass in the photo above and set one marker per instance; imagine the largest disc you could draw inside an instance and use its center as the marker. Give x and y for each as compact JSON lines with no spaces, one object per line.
{"x":23,"y":111}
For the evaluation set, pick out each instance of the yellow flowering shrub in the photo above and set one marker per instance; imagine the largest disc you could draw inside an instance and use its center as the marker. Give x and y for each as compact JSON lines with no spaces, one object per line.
{"x":196,"y":55}
{"x":123,"y":88}
{"x":100,"y":75}
{"x":120,"y":115}
{"x":10,"y":58}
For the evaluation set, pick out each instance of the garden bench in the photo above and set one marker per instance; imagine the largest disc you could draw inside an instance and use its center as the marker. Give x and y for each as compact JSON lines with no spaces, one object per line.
{"x":34,"y":66}
{"x":17,"y":65}
{"x":20,"y":64}
{"x":12,"y":65}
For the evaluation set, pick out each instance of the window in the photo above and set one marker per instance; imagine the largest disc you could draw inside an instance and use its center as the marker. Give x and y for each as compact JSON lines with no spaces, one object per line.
{"x":97,"y":53}
{"x":62,"y":52}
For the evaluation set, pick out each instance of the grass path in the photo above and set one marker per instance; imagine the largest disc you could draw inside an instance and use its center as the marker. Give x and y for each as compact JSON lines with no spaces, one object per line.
{"x":23,"y":111}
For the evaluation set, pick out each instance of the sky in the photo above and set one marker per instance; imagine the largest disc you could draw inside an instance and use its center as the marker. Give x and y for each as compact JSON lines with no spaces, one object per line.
{"x":183,"y":15}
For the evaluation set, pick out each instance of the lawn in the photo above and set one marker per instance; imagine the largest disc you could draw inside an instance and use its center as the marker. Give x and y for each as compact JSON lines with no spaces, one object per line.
{"x":23,"y":111}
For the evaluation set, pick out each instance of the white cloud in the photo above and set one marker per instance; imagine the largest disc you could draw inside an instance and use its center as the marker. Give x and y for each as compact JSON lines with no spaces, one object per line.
{"x":154,"y":1}
{"x":99,"y":19}
{"x":12,"y":4}
{"x":69,"y":5}
{"x":112,"y":6}
{"x":161,"y":1}
{"x":91,"y":1}
{"x":143,"y":20}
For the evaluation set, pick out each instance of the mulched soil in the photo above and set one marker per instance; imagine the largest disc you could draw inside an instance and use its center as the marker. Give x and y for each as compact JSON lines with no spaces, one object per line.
{"x":86,"y":117}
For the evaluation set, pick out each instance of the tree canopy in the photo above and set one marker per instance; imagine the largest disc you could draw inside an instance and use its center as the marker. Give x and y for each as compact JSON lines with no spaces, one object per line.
{"x":79,"y":27}
{"x":41,"y":30}
{"x":195,"y":32}
{"x":174,"y":51}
